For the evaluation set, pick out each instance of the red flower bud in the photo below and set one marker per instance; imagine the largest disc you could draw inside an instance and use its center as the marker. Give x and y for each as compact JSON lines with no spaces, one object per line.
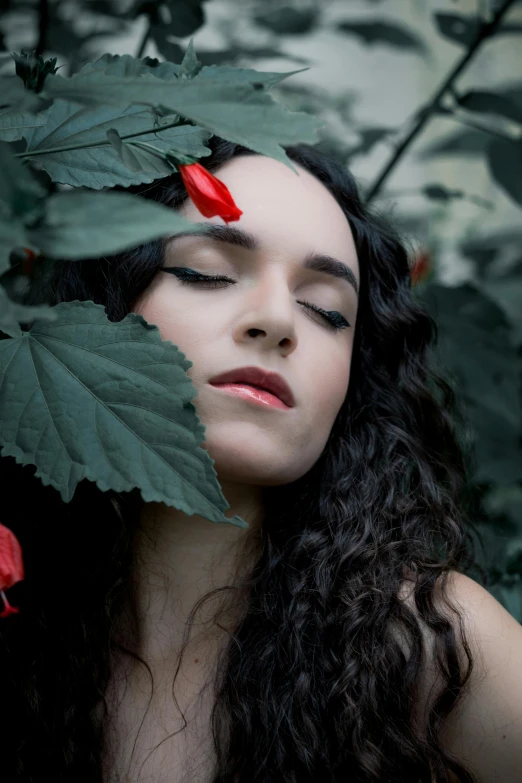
{"x":28,"y":262}
{"x":209,"y":194}
{"x":421,"y":268}
{"x":11,"y":566}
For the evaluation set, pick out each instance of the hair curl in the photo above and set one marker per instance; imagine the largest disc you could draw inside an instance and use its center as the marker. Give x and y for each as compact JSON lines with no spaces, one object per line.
{"x":315,"y":684}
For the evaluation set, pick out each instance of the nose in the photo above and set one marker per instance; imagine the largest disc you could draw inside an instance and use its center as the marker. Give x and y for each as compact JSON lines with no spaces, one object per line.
{"x":269,"y":311}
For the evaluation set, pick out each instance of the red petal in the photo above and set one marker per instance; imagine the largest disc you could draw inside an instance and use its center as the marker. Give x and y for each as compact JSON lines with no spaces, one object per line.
{"x":11,"y":563}
{"x":8,"y":609}
{"x":421,"y":268}
{"x":210,"y":195}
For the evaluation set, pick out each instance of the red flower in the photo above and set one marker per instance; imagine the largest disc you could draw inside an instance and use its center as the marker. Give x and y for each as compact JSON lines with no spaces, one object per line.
{"x":209,"y":194}
{"x":28,"y":262}
{"x":421,"y":268}
{"x":11,"y":566}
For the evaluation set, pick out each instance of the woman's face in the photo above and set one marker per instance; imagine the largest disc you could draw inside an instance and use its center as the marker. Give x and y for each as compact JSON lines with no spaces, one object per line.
{"x":259,"y":321}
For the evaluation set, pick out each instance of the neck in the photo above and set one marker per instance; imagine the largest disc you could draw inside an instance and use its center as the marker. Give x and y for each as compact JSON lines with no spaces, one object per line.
{"x":178,"y":559}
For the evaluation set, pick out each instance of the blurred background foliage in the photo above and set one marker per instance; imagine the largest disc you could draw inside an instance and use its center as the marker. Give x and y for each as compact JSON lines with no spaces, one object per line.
{"x":422,"y":99}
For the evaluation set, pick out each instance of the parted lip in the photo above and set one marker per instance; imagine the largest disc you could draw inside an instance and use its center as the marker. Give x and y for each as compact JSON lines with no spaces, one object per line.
{"x":263,"y":379}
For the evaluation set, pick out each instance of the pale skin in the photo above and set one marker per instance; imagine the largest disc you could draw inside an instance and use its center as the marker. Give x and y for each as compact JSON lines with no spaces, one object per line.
{"x":180,"y":557}
{"x":252,"y":446}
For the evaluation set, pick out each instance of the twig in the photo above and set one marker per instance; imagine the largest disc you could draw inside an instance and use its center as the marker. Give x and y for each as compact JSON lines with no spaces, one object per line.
{"x":43,"y":24}
{"x":144,"y":40}
{"x":486,"y":31}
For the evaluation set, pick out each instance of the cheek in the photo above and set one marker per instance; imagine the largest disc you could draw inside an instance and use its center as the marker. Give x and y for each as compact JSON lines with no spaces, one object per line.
{"x":173,"y":318}
{"x":331,"y":389}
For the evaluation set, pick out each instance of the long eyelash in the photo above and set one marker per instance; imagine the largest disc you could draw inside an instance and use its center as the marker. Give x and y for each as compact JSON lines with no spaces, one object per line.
{"x":334,"y":319}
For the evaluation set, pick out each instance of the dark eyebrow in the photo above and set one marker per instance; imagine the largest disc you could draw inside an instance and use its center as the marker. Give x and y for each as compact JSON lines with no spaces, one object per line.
{"x":236,"y":236}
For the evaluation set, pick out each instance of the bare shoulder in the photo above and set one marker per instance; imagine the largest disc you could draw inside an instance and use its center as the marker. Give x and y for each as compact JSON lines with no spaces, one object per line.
{"x":485,"y":730}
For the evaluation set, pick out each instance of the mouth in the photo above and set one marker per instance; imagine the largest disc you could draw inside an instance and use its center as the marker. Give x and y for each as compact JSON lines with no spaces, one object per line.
{"x":252,"y":394}
{"x":257,"y":381}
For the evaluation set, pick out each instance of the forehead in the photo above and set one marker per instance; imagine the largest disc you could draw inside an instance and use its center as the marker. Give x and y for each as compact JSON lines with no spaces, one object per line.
{"x":289,"y":212}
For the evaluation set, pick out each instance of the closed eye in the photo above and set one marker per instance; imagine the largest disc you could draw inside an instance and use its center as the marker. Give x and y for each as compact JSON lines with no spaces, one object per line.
{"x":187,"y":276}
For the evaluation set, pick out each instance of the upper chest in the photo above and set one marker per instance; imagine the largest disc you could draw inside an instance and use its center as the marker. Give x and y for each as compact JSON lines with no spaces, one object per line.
{"x":164,"y":735}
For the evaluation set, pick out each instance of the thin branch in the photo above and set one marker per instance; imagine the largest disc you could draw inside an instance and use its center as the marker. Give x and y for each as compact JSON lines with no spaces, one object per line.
{"x":144,"y":40}
{"x":101,"y":143}
{"x":486,"y":31}
{"x":43,"y":24}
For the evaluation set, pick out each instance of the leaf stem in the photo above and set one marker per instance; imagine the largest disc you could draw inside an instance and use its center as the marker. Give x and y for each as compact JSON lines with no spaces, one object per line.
{"x":485,"y":31}
{"x":101,"y":143}
{"x":464,"y":118}
{"x":144,"y":41}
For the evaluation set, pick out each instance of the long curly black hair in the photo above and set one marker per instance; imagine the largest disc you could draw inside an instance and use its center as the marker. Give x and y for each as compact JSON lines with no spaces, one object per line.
{"x":322,"y":672}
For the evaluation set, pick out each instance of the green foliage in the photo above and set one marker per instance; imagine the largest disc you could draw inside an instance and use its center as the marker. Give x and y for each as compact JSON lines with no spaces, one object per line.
{"x":464,"y":29}
{"x":487,"y":102}
{"x":84,"y":397}
{"x":74,"y":149}
{"x":87,"y":398}
{"x":13,"y":94}
{"x":21,"y":203}
{"x":287,"y":20}
{"x":485,"y":369}
{"x":170,"y":18}
{"x":237,"y":108}
{"x":82,"y":225}
{"x":13,"y":125}
{"x":370,"y":31}
{"x":190,"y":65}
{"x":505,"y":165}
{"x":12,"y":314}
{"x":460,"y":143}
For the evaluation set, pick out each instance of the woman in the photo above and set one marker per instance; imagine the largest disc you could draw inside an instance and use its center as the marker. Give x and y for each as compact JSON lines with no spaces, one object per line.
{"x":163,"y":647}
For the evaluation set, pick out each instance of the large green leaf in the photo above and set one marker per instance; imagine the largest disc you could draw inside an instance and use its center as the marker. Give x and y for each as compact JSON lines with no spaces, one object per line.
{"x":85,"y":225}
{"x":238,"y":51}
{"x":13,"y":124}
{"x":83,"y":397}
{"x":140,"y":156}
{"x":127,"y":65}
{"x":239,"y":112}
{"x":229,"y":73}
{"x":97,"y":167}
{"x":13,"y":314}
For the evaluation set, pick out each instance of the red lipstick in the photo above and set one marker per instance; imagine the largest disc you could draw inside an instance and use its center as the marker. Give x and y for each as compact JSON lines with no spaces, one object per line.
{"x":256,"y":384}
